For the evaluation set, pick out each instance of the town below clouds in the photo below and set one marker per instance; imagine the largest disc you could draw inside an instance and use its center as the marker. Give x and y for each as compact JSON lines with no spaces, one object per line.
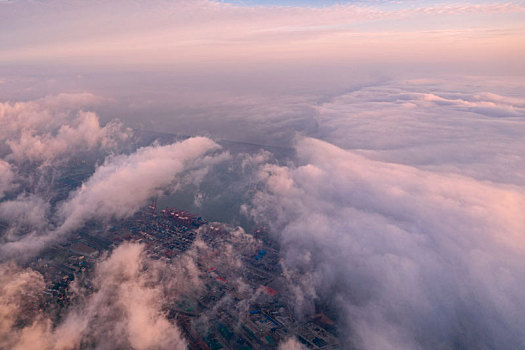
{"x":378,"y":146}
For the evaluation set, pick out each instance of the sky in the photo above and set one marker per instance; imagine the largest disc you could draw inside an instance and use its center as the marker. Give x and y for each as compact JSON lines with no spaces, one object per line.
{"x":313,"y":3}
{"x":381,"y":142}
{"x":199,"y":33}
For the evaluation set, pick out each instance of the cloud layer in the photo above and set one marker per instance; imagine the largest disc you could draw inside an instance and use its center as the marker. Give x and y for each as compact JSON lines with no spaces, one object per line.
{"x":438,"y":125}
{"x":197,"y":30}
{"x":120,"y":187}
{"x":55,"y":128}
{"x":412,"y":258}
{"x":124,"y":183}
{"x":38,"y":140}
{"x":404,"y":207}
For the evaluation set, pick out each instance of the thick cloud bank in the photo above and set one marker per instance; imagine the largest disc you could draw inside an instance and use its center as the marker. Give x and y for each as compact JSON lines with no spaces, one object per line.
{"x":41,"y":142}
{"x":124,"y":183}
{"x":435,"y":125}
{"x":413,"y":259}
{"x":38,"y":140}
{"x":409,"y":223}
{"x":121,"y":186}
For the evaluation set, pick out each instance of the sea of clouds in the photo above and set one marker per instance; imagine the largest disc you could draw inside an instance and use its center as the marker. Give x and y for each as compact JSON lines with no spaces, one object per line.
{"x":381,"y":143}
{"x":401,"y":207}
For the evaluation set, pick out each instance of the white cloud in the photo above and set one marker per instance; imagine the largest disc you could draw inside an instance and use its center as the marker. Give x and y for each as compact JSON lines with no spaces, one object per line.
{"x":54,"y":128}
{"x":291,"y":344}
{"x":84,"y":134}
{"x":443,"y":126}
{"x":411,"y":258}
{"x":43,"y":114}
{"x":121,"y":186}
{"x":124,"y":183}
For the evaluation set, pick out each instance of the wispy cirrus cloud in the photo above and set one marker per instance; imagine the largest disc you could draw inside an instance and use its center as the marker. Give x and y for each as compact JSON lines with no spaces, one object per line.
{"x":193,"y":31}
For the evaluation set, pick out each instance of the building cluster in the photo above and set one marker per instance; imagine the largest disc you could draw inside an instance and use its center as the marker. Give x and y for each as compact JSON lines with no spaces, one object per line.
{"x":227,"y":314}
{"x":61,"y":263}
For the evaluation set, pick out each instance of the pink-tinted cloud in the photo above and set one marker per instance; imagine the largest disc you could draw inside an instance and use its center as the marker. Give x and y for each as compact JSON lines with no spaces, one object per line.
{"x":411,"y":258}
{"x":199,"y":31}
{"x":55,"y":127}
{"x":149,"y":172}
